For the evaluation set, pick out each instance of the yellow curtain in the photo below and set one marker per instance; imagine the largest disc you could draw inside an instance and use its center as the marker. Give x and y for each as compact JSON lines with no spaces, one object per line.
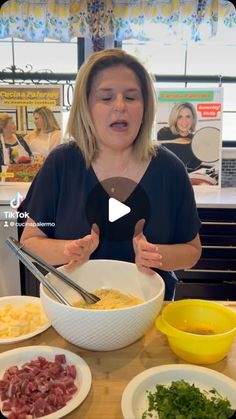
{"x":35,"y":20}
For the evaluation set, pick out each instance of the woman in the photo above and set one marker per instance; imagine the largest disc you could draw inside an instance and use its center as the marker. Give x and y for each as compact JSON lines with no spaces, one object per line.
{"x":110,"y":125}
{"x":47,"y":134}
{"x":178,"y":136}
{"x":13,"y":147}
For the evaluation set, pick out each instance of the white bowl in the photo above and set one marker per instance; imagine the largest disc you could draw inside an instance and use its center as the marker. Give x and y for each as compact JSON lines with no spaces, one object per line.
{"x":105,"y":330}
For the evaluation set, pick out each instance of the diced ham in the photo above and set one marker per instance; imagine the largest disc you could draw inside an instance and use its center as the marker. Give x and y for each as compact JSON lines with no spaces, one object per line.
{"x":71,"y":371}
{"x":61,"y":358}
{"x":38,"y":388}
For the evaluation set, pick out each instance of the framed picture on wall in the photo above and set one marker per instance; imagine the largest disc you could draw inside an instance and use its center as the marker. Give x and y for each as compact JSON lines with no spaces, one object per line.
{"x":30,"y":121}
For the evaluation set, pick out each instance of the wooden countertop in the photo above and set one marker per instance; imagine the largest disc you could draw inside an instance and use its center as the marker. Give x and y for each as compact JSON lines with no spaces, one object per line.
{"x":111,"y":371}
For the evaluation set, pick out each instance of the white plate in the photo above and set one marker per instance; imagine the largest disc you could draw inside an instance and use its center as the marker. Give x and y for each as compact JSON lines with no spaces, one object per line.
{"x":19,"y":301}
{"x":134,"y":399}
{"x":83,"y":379}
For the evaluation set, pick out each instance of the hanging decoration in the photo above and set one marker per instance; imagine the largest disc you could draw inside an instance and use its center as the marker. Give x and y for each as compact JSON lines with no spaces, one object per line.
{"x":96,"y":12}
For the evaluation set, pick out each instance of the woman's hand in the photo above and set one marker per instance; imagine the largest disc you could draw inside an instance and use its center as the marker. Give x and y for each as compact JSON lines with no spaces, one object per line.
{"x":79,"y":251}
{"x":147,"y":255}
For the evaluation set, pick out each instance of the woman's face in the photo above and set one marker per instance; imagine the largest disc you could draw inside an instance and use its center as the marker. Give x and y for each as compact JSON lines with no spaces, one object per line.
{"x":116,"y":107}
{"x":184,"y":121}
{"x":10,"y":127}
{"x":38,"y":121}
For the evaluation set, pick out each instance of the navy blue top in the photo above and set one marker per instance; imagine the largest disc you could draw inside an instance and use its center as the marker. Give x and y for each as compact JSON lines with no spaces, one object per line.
{"x":59,"y":191}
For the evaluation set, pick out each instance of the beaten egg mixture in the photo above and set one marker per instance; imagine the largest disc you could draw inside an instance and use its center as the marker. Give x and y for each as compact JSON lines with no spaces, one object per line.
{"x":110,"y":299}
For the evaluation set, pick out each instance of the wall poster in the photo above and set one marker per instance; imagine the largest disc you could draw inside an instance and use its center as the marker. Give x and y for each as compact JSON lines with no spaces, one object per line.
{"x":189,"y":123}
{"x":30,"y":127}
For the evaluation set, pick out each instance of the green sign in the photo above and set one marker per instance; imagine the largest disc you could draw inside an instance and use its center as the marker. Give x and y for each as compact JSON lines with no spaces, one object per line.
{"x":186,"y":96}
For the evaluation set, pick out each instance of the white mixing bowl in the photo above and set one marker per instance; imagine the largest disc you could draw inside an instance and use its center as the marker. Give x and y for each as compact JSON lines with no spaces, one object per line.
{"x":105,"y":330}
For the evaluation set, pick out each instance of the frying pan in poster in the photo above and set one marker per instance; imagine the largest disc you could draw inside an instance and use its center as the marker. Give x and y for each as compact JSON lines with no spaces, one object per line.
{"x":206,"y":144}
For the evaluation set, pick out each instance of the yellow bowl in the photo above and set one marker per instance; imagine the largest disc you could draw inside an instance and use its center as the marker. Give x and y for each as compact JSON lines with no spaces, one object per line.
{"x":198,"y":331}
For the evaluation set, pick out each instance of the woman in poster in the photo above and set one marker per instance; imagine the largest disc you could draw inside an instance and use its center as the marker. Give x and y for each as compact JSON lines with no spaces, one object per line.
{"x":47,"y":133}
{"x":13,"y":147}
{"x":178,"y":136}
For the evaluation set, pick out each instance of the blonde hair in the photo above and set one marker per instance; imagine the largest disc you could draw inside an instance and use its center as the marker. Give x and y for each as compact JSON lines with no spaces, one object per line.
{"x":4,"y":118}
{"x":173,"y":117}
{"x":80,"y":126}
{"x":49,"y":121}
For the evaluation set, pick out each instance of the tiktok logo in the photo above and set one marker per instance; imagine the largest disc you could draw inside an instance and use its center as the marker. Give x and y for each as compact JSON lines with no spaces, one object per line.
{"x":16,"y":201}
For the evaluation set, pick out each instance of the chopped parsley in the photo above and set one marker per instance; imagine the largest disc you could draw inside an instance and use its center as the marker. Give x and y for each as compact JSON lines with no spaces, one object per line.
{"x":182,"y":400}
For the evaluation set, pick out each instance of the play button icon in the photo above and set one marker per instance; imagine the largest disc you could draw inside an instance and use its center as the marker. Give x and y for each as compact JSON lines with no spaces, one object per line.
{"x":116,"y":205}
{"x":116,"y":209}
